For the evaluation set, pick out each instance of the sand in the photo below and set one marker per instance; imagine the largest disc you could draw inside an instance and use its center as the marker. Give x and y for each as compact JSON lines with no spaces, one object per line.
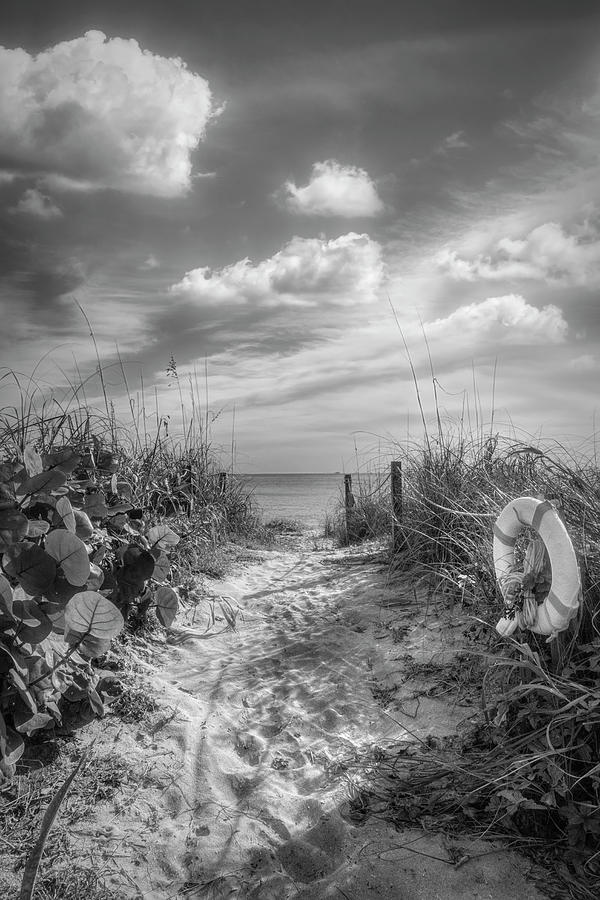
{"x":242,"y":783}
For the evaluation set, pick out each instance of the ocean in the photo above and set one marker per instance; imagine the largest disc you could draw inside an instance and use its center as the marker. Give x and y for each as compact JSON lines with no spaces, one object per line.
{"x":305,"y":498}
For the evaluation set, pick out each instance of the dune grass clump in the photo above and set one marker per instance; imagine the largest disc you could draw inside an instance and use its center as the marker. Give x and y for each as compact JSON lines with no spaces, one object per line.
{"x":102,"y":525}
{"x":453,"y":493}
{"x":530,"y":769}
{"x":368,"y":516}
{"x":92,"y":513}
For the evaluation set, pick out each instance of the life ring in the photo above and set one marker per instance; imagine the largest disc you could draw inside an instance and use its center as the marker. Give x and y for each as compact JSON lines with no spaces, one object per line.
{"x":562,"y":602}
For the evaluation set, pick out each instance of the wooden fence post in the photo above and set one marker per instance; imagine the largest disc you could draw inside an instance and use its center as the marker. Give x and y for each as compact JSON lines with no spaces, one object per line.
{"x":349,"y":503}
{"x":222,"y":482}
{"x":396,"y":487}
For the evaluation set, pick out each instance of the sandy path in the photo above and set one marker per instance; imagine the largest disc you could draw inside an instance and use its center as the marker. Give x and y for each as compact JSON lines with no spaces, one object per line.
{"x":243,"y":796}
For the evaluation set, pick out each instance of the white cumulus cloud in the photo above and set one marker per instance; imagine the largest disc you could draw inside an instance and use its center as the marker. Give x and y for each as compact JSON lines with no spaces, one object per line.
{"x":102,"y":113}
{"x":34,"y":203}
{"x":508,"y":319}
{"x":547,"y":253}
{"x":333,"y":190}
{"x":345,"y":271}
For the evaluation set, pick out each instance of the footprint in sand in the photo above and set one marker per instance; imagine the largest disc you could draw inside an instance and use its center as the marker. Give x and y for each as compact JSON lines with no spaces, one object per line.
{"x":272,"y":695}
{"x":317,"y":854}
{"x":249,"y":747}
{"x":241,"y":786}
{"x":331,"y":719}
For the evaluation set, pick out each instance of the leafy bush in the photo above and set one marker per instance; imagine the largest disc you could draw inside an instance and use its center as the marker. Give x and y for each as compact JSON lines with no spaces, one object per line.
{"x":77,"y":559}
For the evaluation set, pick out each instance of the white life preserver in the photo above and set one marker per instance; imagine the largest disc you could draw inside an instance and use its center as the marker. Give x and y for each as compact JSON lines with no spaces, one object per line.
{"x":562,"y":602}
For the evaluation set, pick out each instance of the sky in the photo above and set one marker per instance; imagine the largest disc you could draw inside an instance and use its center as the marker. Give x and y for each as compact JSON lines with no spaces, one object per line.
{"x":301,"y":207}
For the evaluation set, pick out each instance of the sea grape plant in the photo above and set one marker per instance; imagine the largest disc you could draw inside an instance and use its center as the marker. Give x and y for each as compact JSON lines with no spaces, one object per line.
{"x":76,"y":558}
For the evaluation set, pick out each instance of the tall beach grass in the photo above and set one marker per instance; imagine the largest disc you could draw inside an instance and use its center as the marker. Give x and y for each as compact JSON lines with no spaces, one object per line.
{"x":530,"y":767}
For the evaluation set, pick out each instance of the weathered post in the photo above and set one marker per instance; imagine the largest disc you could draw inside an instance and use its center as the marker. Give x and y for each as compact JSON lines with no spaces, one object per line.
{"x":349,"y":503}
{"x":222,"y":482}
{"x":396,"y":487}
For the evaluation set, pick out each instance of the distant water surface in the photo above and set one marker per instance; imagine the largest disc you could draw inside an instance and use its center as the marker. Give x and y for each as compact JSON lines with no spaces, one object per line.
{"x":305,"y":498}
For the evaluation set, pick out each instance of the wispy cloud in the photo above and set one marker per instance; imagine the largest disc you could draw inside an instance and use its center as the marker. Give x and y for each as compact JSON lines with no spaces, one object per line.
{"x":587,"y":362}
{"x":96,"y":112}
{"x":455,"y":141}
{"x":150,"y":263}
{"x":34,"y":203}
{"x":333,"y":190}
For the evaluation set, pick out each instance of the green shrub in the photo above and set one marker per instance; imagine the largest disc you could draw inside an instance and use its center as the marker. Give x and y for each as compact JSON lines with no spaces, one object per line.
{"x":75,"y":564}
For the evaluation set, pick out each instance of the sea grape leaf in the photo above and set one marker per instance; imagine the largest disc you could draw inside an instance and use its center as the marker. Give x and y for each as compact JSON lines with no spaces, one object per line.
{"x":13,"y":520}
{"x":15,"y":529}
{"x":64,"y":517}
{"x":120,"y":522}
{"x":93,"y":647}
{"x":33,"y":567}
{"x":167,"y":605}
{"x":9,"y":470}
{"x":94,"y":582}
{"x":95,"y":506}
{"x":6,"y":596}
{"x":66,"y":459}
{"x":40,"y":506}
{"x":93,"y":620}
{"x":44,"y":481}
{"x":121,"y":507}
{"x":162,"y":567}
{"x":79,"y":684}
{"x":60,"y":591}
{"x":27,"y":722}
{"x":99,"y":554}
{"x":83,"y":526}
{"x":7,"y":496}
{"x":32,"y":460}
{"x":106,"y":461}
{"x":76,"y":491}
{"x":22,"y":689}
{"x":124,"y":489}
{"x":39,"y":671}
{"x":96,"y":702}
{"x":11,"y":659}
{"x":33,"y":625}
{"x":129,"y":553}
{"x":138,"y":565}
{"x":11,"y":747}
{"x":37,"y":527}
{"x":71,"y":554}
{"x":56,"y":613}
{"x":162,"y":536}
{"x":6,"y":540}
